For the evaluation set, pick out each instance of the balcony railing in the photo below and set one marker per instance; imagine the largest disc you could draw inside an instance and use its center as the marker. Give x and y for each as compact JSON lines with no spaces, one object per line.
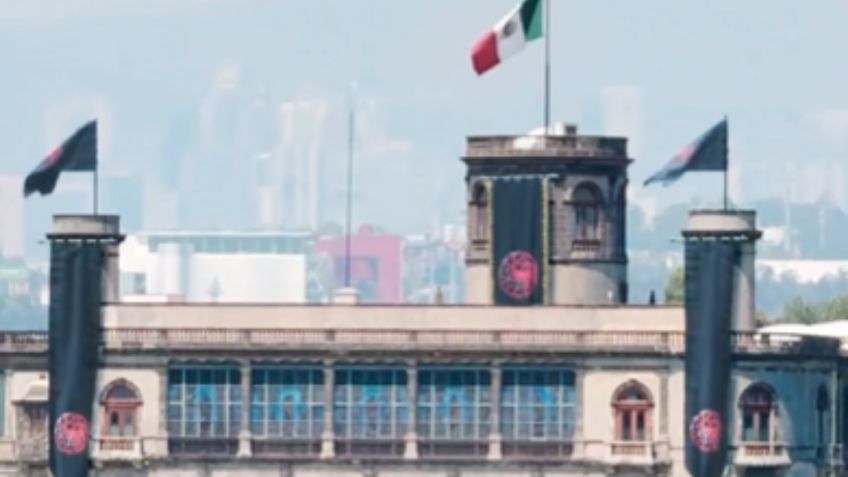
{"x":766,"y":454}
{"x":630,"y":449}
{"x":211,"y":338}
{"x":27,"y":341}
{"x":586,"y":246}
{"x":397,"y":339}
{"x":117,"y":444}
{"x":117,"y":448}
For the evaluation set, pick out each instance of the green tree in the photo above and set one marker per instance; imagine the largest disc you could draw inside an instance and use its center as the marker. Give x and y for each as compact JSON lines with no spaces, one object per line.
{"x":674,"y":287}
{"x":799,"y":311}
{"x":836,"y":309}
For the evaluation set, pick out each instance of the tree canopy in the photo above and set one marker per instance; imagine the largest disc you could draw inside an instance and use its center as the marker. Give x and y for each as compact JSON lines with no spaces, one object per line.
{"x":798,"y":310}
{"x":674,"y":287}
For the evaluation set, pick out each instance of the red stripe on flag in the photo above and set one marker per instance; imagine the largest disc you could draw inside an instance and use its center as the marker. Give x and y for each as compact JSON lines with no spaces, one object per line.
{"x":484,"y":53}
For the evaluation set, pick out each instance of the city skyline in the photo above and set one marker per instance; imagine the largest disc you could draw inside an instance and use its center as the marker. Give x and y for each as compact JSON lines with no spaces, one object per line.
{"x":763,"y":64}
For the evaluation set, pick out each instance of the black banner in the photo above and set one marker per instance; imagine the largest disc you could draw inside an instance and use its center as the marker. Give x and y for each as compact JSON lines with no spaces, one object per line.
{"x":519,"y":262}
{"x":74,"y":341}
{"x":77,"y":153}
{"x":709,"y":296}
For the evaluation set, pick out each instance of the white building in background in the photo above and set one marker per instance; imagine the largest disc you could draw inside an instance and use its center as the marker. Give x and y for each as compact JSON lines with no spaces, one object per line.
{"x":803,"y":271}
{"x":224,"y":267}
{"x":11,"y":216}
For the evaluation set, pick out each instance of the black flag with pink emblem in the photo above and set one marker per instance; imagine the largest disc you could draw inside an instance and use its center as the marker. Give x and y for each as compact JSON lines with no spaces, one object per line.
{"x":709,"y":296}
{"x":74,"y":341}
{"x":519,"y":265}
{"x":77,"y":153}
{"x":707,"y":153}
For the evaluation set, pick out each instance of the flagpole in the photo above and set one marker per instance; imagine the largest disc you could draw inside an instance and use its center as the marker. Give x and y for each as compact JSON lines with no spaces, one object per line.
{"x":727,"y":161}
{"x":349,"y":212}
{"x":96,"y":186}
{"x":547,"y":33}
{"x":96,"y":175}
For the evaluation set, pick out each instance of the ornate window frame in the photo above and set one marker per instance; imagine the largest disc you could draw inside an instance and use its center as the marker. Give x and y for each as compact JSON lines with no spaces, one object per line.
{"x":633,"y":405}
{"x":120,"y":412}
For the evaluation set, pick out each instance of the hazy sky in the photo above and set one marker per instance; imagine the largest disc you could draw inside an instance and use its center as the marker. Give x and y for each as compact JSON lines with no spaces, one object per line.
{"x":664,"y":70}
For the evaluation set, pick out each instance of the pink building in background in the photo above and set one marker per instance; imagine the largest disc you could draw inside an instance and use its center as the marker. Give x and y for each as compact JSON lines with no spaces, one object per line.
{"x":375,"y":268}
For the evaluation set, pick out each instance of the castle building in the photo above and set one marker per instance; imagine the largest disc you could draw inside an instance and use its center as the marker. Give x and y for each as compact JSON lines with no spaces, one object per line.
{"x":581,"y":385}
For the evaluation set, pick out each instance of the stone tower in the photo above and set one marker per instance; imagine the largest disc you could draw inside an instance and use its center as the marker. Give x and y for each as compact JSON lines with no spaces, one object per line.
{"x":740,"y":228}
{"x":587,"y":211}
{"x":102,"y":230}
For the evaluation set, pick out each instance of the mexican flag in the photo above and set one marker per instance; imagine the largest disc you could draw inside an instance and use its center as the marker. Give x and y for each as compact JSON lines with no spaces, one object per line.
{"x":508,"y":37}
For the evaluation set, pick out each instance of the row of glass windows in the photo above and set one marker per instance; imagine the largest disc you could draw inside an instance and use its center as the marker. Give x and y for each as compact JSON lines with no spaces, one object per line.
{"x":371,"y":403}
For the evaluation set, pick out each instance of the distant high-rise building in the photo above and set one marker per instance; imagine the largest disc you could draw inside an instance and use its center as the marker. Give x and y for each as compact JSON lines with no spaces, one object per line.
{"x":215,"y":185}
{"x":262,"y":135}
{"x":623,"y":115}
{"x":11,"y":216}
{"x":295,"y":176}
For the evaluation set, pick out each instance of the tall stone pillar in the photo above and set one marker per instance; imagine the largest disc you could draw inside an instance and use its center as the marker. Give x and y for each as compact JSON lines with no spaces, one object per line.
{"x":244,"y":448}
{"x":411,"y":437}
{"x":328,"y":450}
{"x":495,"y":438}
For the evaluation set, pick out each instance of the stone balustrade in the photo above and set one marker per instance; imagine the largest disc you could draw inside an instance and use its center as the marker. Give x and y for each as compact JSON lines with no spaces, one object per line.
{"x":666,"y":342}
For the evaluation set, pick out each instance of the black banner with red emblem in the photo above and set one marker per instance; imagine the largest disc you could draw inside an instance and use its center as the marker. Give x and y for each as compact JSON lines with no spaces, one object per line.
{"x":518,"y":235}
{"x":77,"y":153}
{"x":709,"y":296}
{"x":74,"y":340}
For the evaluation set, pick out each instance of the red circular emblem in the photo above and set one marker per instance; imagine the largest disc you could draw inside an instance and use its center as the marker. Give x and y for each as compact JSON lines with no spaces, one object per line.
{"x":54,"y":155}
{"x":70,"y":433}
{"x":705,"y":431}
{"x":518,"y":275}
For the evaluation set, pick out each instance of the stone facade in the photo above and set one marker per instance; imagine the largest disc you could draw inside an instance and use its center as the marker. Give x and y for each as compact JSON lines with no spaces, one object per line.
{"x":587,"y":182}
{"x":605,"y":350}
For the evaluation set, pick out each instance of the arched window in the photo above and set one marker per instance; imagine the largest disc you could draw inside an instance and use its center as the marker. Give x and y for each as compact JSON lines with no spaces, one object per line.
{"x":632,"y":405}
{"x":120,"y":401}
{"x":757,"y":407}
{"x":822,"y":410}
{"x":586,"y":202}
{"x":480,"y":212}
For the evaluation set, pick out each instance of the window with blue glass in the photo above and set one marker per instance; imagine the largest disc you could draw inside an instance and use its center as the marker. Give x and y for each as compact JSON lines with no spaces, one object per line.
{"x":453,"y":404}
{"x":370,"y":403}
{"x":204,"y":402}
{"x":537,"y":404}
{"x":287,"y":402}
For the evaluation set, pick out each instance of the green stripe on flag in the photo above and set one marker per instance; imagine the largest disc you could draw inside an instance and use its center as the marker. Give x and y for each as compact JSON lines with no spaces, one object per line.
{"x":531,"y":19}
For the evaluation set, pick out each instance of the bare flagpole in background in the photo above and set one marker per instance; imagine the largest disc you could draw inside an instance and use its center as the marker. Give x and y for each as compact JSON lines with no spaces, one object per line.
{"x":547,"y":33}
{"x":96,"y":184}
{"x":351,"y":133}
{"x":727,"y":159}
{"x":96,"y":178}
